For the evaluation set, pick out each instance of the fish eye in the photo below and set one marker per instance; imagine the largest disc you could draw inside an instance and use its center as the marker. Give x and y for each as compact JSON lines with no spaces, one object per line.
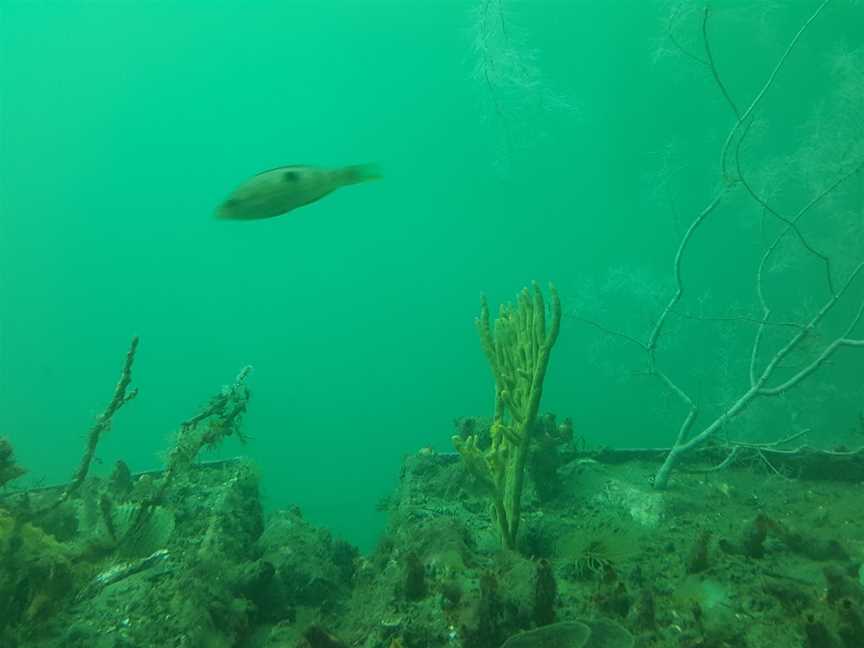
{"x":290,"y":176}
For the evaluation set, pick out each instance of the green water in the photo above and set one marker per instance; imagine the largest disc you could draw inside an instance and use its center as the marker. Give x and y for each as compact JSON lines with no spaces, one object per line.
{"x":574,"y":145}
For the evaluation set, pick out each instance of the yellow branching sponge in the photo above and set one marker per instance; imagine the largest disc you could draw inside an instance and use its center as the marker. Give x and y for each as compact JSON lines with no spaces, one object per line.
{"x":517,"y":348}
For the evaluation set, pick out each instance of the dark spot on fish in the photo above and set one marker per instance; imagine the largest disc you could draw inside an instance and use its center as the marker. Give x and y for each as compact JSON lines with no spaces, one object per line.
{"x":290,"y":176}
{"x":231,"y":202}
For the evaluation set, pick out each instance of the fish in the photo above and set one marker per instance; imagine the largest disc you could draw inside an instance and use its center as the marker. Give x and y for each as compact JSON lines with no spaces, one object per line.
{"x":278,"y":191}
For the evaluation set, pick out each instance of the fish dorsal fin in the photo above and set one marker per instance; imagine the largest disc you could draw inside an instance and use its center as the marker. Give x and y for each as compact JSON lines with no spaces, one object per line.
{"x":289,"y":167}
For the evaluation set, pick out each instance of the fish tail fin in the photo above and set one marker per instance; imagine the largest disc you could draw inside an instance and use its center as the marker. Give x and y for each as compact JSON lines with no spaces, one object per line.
{"x":359,"y":173}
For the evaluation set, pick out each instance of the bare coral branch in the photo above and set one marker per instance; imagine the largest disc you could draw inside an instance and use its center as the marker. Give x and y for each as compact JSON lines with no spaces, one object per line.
{"x":767,"y":376}
{"x":769,"y":82}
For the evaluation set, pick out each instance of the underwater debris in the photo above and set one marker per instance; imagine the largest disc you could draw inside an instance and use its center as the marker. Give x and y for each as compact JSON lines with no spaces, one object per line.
{"x":140,"y":528}
{"x":220,"y":419}
{"x":122,"y":395}
{"x":46,"y":568}
{"x":122,"y":571}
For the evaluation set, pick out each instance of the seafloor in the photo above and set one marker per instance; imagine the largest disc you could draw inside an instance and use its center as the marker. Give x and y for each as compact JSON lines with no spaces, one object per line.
{"x":766,"y":552}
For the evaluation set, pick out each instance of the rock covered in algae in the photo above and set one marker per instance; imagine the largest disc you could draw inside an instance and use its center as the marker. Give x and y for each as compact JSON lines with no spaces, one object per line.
{"x":600,"y":633}
{"x":36,"y":572}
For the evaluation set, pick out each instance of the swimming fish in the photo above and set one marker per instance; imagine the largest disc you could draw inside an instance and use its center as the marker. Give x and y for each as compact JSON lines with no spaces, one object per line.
{"x":278,"y":191}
